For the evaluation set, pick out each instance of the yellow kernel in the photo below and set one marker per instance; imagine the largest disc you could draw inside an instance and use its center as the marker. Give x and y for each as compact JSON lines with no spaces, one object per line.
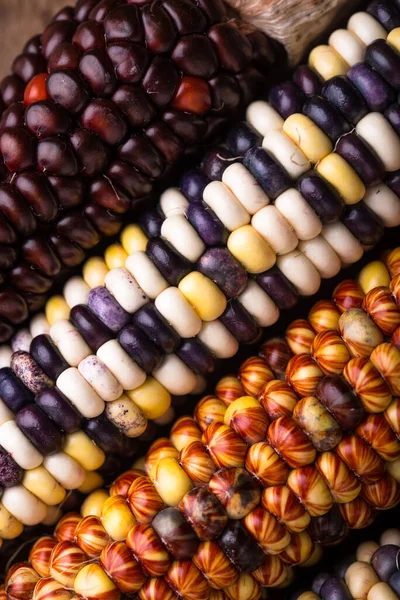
{"x":245,"y":588}
{"x":381,"y":591}
{"x":206,"y":298}
{"x":394,"y":39}
{"x":170,"y":480}
{"x":365,"y":551}
{"x":342,"y":177}
{"x":251,"y":250}
{"x":92,"y":582}
{"x":56,"y":309}
{"x":94,"y":271}
{"x":327,"y":62}
{"x":133,"y":239}
{"x":93,"y":481}
{"x":44,"y":486}
{"x":152,"y":398}
{"x":115,"y":256}
{"x":10,"y":527}
{"x":308,"y":137}
{"x":93,"y":504}
{"x":117,"y":518}
{"x":373,"y":275}
{"x":80,"y":447}
{"x":240,"y":405}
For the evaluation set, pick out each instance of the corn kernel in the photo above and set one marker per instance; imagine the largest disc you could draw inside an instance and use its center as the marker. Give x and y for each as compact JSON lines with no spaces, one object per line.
{"x":25,"y":507}
{"x":314,"y":143}
{"x":342,"y":177}
{"x":126,"y":416}
{"x":251,"y":250}
{"x":347,"y":45}
{"x":80,"y":447}
{"x":389,"y":536}
{"x":285,"y":152}
{"x":115,"y":256}
{"x":241,"y":404}
{"x":152,"y":398}
{"x":93,"y":481}
{"x":327,"y":62}
{"x":366,"y":28}
{"x":94,"y":271}
{"x":56,"y":308}
{"x":170,"y":480}
{"x":205,"y":297}
{"x":44,"y":486}
{"x":374,"y":274}
{"x":10,"y":527}
{"x":245,"y":588}
{"x":117,"y":518}
{"x":92,"y":582}
{"x":394,"y":39}
{"x":93,"y":504}
{"x":133,"y":239}
{"x":381,"y":591}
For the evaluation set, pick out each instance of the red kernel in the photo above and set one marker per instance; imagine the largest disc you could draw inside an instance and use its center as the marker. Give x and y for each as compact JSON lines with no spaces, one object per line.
{"x":193,"y":95}
{"x":36,"y":89}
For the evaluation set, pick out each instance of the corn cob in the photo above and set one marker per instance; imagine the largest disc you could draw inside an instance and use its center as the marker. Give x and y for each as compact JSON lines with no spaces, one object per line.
{"x":291,"y":218}
{"x":98,"y":108}
{"x":373,"y":573}
{"x":266,"y":472}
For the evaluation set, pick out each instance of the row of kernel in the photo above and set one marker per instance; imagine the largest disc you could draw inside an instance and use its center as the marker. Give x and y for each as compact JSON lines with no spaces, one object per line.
{"x":372,"y":573}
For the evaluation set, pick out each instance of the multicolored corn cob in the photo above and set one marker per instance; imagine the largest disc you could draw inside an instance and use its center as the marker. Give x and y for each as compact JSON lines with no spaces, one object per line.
{"x":98,"y":108}
{"x":267,"y":470}
{"x":373,"y":574}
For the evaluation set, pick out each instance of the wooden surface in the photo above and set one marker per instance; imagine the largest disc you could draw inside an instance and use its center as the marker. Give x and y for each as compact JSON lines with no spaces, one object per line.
{"x":19,"y":20}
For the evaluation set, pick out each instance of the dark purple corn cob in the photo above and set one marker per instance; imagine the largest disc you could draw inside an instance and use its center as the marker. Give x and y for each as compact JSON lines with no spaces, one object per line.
{"x":99,"y":107}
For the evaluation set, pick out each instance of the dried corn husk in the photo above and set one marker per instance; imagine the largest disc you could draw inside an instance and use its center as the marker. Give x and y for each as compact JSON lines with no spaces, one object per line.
{"x":294,"y":23}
